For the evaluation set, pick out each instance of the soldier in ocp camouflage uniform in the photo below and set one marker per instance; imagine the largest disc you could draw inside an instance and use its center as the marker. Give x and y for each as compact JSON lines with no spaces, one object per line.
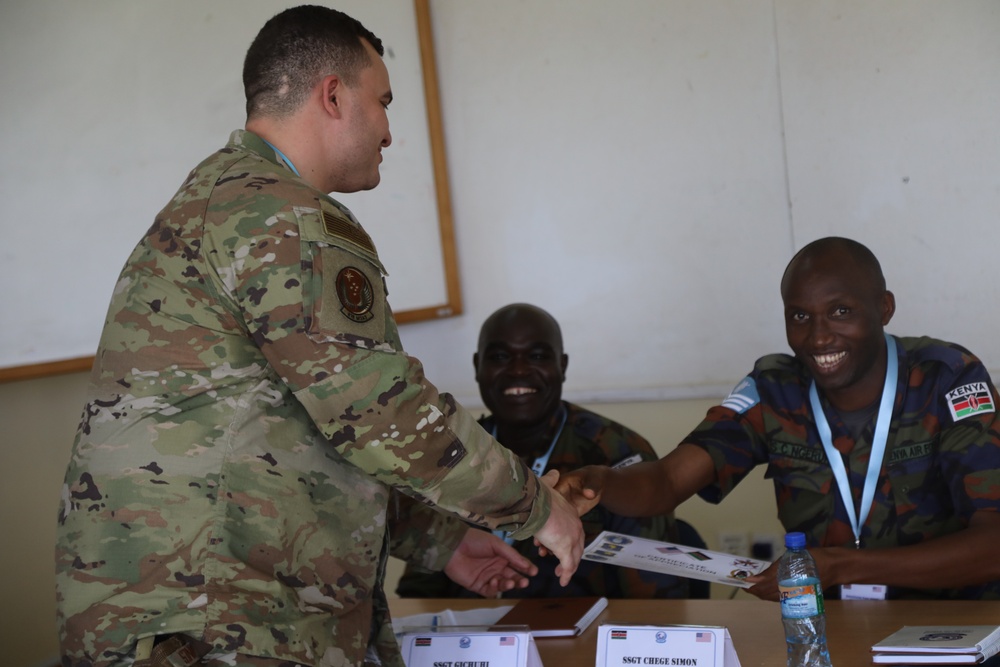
{"x":251,"y":413}
{"x":520,"y":366}
{"x":935,"y":518}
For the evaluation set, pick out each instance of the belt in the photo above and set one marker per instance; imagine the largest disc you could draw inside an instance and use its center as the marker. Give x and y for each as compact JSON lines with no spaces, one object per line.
{"x":168,"y":651}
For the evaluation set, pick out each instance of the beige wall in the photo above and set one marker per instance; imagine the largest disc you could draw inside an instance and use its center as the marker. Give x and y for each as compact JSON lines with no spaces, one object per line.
{"x":38,"y":419}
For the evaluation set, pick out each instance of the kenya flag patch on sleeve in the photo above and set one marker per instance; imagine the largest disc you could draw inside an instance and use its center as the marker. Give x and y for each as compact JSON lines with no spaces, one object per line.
{"x":970,"y":399}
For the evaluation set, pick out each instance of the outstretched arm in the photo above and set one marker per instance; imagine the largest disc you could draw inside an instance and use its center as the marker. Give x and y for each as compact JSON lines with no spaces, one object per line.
{"x":562,"y":534}
{"x":643,"y":489}
{"x":486,"y":565}
{"x":964,"y":558}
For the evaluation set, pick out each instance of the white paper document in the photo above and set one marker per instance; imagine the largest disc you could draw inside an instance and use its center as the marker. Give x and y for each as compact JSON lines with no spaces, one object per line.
{"x":669,"y":558}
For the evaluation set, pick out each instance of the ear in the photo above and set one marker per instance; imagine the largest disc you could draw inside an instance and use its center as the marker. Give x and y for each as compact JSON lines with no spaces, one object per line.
{"x":475,"y":363}
{"x":563,"y":363}
{"x":888,"y":307}
{"x":331,"y":87}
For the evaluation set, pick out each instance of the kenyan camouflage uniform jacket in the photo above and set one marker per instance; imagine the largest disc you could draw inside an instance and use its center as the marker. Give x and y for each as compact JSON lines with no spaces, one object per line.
{"x":250,"y":412}
{"x":587,"y":439}
{"x":941,"y":464}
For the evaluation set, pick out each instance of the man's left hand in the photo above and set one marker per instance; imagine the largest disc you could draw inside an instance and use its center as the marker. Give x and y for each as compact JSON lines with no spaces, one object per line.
{"x":485,"y":564}
{"x":765,"y":584}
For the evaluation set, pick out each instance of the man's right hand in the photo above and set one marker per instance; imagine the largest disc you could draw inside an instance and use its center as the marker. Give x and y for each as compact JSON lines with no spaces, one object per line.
{"x":562,"y":535}
{"x":648,"y":488}
{"x":582,"y":487}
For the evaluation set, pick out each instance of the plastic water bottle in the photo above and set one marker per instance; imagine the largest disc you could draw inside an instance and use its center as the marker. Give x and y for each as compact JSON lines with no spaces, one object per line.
{"x":802,"y":605}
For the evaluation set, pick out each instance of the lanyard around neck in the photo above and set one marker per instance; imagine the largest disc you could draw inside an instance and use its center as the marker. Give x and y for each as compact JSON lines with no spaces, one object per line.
{"x":538,"y":467}
{"x":283,"y":157}
{"x":879,"y":440}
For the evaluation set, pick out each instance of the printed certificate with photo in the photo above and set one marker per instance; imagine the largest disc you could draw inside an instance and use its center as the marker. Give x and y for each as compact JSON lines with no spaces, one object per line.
{"x":669,"y":558}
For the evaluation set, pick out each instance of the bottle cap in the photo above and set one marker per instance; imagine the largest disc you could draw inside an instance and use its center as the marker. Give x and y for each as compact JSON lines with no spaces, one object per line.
{"x":795,"y":540}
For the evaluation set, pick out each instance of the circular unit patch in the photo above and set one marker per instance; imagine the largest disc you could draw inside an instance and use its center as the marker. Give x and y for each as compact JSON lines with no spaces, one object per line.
{"x":356,"y":294}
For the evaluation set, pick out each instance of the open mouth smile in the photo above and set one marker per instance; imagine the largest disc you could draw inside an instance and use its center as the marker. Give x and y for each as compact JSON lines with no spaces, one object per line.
{"x":827,"y":362}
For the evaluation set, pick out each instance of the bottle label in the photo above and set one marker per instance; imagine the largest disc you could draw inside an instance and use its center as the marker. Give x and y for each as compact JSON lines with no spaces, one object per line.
{"x":801,"y":600}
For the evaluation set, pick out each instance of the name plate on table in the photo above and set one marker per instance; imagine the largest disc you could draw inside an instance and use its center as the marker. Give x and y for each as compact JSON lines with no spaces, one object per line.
{"x":688,"y":645}
{"x":862,"y":592}
{"x":473,"y":647}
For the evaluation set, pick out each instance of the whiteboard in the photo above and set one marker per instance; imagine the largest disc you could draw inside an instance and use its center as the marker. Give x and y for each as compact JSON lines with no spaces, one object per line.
{"x":107,"y":105}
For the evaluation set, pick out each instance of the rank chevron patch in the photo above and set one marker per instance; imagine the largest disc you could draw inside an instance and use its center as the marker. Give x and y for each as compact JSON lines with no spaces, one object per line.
{"x":743,"y":396}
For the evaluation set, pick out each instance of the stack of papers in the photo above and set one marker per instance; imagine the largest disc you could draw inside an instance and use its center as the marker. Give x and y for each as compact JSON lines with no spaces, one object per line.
{"x":938,"y":645}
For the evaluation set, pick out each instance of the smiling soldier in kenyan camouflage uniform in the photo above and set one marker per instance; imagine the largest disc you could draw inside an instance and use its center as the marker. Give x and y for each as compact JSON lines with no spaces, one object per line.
{"x":251,"y":412}
{"x":521,"y":367}
{"x":934,"y":522}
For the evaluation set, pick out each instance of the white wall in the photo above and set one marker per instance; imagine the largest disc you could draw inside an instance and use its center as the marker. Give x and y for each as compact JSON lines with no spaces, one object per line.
{"x":645,"y":169}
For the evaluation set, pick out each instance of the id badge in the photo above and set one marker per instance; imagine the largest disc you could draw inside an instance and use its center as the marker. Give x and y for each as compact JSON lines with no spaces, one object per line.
{"x":863,"y":592}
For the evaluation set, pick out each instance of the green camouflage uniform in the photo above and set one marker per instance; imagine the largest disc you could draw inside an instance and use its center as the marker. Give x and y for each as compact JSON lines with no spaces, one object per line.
{"x":249,"y":416}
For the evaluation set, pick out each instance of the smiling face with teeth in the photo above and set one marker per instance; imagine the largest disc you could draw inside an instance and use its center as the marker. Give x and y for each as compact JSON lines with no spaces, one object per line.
{"x":836,"y":307}
{"x":520,"y":368}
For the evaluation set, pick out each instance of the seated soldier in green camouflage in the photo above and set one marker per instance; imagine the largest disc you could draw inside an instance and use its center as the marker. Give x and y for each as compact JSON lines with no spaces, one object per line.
{"x":251,"y":411}
{"x":883,"y":450}
{"x":520,"y":366}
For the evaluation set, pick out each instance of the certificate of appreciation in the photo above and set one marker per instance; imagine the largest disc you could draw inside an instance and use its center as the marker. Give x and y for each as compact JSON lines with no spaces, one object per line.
{"x":677,"y":559}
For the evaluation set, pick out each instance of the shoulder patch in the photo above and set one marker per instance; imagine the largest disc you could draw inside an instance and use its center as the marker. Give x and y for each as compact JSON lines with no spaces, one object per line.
{"x":356,"y":294}
{"x":970,"y":399}
{"x":743,"y":396}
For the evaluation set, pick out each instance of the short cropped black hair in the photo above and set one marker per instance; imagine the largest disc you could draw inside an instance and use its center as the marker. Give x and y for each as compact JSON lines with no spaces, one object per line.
{"x":295,"y":49}
{"x":863,"y":258}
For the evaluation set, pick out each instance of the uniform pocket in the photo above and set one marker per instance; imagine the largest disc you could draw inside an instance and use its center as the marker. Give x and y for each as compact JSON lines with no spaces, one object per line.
{"x":803,"y":483}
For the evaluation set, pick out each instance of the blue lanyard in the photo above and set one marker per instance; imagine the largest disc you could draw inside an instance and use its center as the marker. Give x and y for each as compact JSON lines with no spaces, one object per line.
{"x":538,"y":467}
{"x":879,"y":440}
{"x":283,"y":157}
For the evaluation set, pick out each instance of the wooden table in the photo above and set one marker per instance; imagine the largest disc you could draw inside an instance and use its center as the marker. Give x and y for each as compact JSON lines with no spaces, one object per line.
{"x":755,"y":626}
